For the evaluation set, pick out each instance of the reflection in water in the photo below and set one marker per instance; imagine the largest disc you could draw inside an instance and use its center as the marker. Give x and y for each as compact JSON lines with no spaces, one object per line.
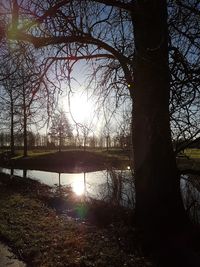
{"x":78,"y":184}
{"x":59,"y":184}
{"x":118,"y":188}
{"x":78,"y":187}
{"x":191,"y":197}
{"x":114,"y":186}
{"x":24,"y":173}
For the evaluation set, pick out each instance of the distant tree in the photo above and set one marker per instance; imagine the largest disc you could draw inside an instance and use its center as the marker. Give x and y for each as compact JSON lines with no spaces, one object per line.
{"x":85,"y":129}
{"x":30,"y":104}
{"x":83,"y":132}
{"x":38,"y":140}
{"x":123,"y":130}
{"x":20,"y":82}
{"x":93,"y":141}
{"x":9,"y":96}
{"x":107,"y":129}
{"x":101,"y":140}
{"x":30,"y":139}
{"x":19,"y":139}
{"x":60,"y":128}
{"x":44,"y":140}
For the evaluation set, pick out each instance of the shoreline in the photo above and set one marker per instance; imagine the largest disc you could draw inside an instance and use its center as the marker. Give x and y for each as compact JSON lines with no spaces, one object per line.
{"x":42,"y":236}
{"x":67,"y":161}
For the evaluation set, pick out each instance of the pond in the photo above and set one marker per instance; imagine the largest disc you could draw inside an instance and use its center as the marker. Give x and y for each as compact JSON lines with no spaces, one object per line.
{"x":116,"y":186}
{"x":109,"y":185}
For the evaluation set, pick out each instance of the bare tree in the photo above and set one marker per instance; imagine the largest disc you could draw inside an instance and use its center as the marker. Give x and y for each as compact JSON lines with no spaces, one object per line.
{"x":60,"y":128}
{"x":184,"y":63}
{"x":9,"y":99}
{"x":85,"y":130}
{"x":28,"y":89}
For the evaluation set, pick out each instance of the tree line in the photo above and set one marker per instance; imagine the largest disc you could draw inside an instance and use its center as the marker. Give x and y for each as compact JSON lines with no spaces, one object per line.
{"x":52,"y":141}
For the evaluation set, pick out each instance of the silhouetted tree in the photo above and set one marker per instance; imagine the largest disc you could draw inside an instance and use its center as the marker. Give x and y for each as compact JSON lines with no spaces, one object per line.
{"x":60,"y":128}
{"x":30,"y":101}
{"x":9,"y":95}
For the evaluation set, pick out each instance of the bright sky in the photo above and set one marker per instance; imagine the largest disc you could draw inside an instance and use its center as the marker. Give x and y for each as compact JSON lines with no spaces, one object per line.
{"x":82,"y":108}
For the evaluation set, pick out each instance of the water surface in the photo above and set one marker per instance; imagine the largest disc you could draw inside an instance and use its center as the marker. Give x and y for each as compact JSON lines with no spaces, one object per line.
{"x":116,"y":186}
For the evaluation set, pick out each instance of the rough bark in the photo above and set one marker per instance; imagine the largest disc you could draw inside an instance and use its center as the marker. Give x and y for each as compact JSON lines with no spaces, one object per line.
{"x":158,"y":198}
{"x":25,"y":124}
{"x":60,"y":140}
{"x":12,"y":145}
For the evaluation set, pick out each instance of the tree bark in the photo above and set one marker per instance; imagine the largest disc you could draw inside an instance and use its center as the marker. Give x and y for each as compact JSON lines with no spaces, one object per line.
{"x":25,"y":123}
{"x":60,"y":140}
{"x":12,"y":145}
{"x":159,"y":203}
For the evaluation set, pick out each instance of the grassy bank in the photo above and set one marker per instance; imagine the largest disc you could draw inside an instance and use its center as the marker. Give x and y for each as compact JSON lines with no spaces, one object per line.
{"x":69,"y":161}
{"x":43,"y":237}
{"x":192,"y":153}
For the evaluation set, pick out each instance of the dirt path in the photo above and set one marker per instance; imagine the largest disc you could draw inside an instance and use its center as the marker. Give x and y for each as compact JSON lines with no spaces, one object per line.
{"x":7,"y":258}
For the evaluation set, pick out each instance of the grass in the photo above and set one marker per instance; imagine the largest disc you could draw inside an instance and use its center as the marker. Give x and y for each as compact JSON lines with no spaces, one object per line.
{"x":32,"y":153}
{"x":37,"y":233}
{"x":68,"y":161}
{"x":192,"y":153}
{"x":42,"y":237}
{"x":112,"y":152}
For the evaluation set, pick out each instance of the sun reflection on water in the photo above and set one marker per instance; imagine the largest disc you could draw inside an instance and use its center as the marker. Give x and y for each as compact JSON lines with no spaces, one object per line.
{"x":78,"y":186}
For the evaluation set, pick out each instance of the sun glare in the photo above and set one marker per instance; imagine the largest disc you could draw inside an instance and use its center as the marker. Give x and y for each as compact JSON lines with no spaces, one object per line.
{"x":78,"y":187}
{"x":81,"y":107}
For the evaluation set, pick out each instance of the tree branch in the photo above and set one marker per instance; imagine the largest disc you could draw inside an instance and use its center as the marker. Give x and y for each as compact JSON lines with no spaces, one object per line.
{"x":189,"y":7}
{"x":88,"y":39}
{"x":114,"y":3}
{"x":75,"y":58}
{"x":49,"y":12}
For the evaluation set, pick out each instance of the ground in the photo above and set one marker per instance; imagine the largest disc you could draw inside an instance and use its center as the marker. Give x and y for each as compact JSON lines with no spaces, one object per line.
{"x":42,"y":236}
{"x":7,"y":258}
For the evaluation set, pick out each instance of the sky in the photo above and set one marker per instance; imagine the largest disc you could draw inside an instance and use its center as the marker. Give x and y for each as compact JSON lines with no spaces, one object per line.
{"x":80,"y":105}
{"x":83,"y":107}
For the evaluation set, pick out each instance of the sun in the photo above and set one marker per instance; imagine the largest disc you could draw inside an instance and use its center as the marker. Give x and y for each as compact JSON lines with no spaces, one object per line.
{"x":81,"y":107}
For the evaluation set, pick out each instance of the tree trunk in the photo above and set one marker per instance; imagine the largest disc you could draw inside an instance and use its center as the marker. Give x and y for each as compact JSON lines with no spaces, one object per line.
{"x":84,"y":143}
{"x":60,"y":141}
{"x":25,"y":124}
{"x":107,"y":142}
{"x":25,"y":137}
{"x":12,"y":145}
{"x":158,"y":199}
